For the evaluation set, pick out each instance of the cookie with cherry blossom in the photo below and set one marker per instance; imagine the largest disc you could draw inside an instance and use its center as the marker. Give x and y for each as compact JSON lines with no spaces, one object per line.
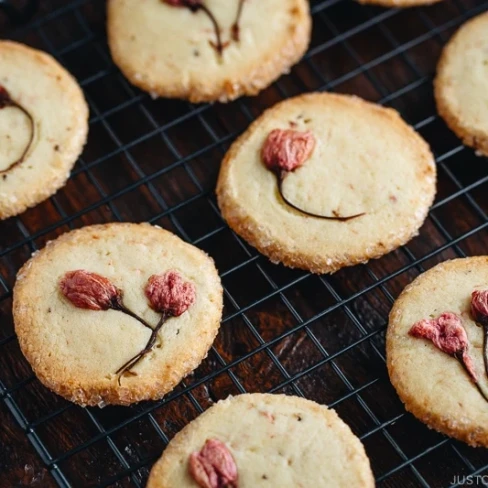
{"x":262,"y":440}
{"x":43,"y":126}
{"x":461,"y":84}
{"x":435,"y":348}
{"x":116,"y":313}
{"x":207,"y":50}
{"x":323,"y":181}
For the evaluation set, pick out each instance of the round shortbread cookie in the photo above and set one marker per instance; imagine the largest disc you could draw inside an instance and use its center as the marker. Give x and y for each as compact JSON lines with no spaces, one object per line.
{"x":432,"y":384}
{"x":399,"y":3}
{"x":76,"y":352}
{"x":365,"y":159}
{"x":38,"y":152}
{"x":170,"y":51}
{"x":275,"y":440}
{"x":461,"y":84}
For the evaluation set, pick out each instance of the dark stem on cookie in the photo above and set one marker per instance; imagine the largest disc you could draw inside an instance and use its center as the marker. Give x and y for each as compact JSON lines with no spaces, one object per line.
{"x":285,"y":151}
{"x":195,"y":6}
{"x":219,"y":47}
{"x":235,"y":30}
{"x":6,"y":101}
{"x":171,"y":296}
{"x":479,"y":311}
{"x":120,"y":307}
{"x":147,"y":349}
{"x":485,"y":348}
{"x":460,"y":358}
{"x":281,"y":175}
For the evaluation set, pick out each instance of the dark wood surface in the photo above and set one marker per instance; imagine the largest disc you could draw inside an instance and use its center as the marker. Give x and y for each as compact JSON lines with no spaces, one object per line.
{"x":284,"y":330}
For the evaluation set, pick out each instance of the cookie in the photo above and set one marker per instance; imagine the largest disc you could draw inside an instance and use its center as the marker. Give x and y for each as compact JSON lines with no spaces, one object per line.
{"x":461,"y":84}
{"x":261,"y":440}
{"x":207,"y":50}
{"x":399,"y":3}
{"x":43,"y":127}
{"x":323,"y":181}
{"x":434,"y":348}
{"x":88,"y":304}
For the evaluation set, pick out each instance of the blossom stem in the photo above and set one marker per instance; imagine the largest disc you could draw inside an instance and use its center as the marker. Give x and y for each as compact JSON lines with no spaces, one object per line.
{"x":148,"y":348}
{"x":120,"y":307}
{"x":485,"y":347}
{"x":281,"y":178}
{"x":235,"y":25}
{"x":218,"y":46}
{"x":6,"y":101}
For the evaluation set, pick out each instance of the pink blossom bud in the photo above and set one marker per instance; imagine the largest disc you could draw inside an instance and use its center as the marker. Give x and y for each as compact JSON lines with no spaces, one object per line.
{"x":213,"y":466}
{"x":89,"y":290}
{"x":169,"y":293}
{"x":287,"y":150}
{"x":447,"y":333}
{"x":479,"y":306}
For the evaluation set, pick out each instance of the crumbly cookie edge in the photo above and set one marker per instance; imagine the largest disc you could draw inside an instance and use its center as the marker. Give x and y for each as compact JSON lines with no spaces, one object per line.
{"x":177,"y":447}
{"x":41,"y":190}
{"x":228,"y":90}
{"x":249,"y":228}
{"x":444,"y":425}
{"x":108,"y":392}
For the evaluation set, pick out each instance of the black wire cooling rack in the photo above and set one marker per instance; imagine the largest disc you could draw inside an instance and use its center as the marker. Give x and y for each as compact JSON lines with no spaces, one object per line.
{"x":284,"y":331}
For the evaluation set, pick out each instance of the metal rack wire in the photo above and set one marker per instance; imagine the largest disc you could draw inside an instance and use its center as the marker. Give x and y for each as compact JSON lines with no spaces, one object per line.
{"x":283,"y":330}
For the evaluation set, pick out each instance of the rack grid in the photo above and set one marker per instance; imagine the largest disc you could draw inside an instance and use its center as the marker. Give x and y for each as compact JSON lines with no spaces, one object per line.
{"x":283,"y":331}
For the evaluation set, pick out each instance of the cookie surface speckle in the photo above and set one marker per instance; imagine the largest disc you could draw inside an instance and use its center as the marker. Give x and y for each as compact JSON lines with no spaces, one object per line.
{"x":169,"y":51}
{"x":76,"y":352}
{"x":366,"y":160}
{"x":60,"y":115}
{"x":275,"y":440}
{"x":433,"y":385}
{"x":461,"y":84}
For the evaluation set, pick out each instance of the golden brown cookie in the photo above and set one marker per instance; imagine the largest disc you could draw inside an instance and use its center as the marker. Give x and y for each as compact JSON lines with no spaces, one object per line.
{"x":461,"y":84}
{"x":89,"y":302}
{"x":43,"y":127}
{"x":165,"y":48}
{"x":264,"y":440}
{"x":436,"y":384}
{"x":363,"y":161}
